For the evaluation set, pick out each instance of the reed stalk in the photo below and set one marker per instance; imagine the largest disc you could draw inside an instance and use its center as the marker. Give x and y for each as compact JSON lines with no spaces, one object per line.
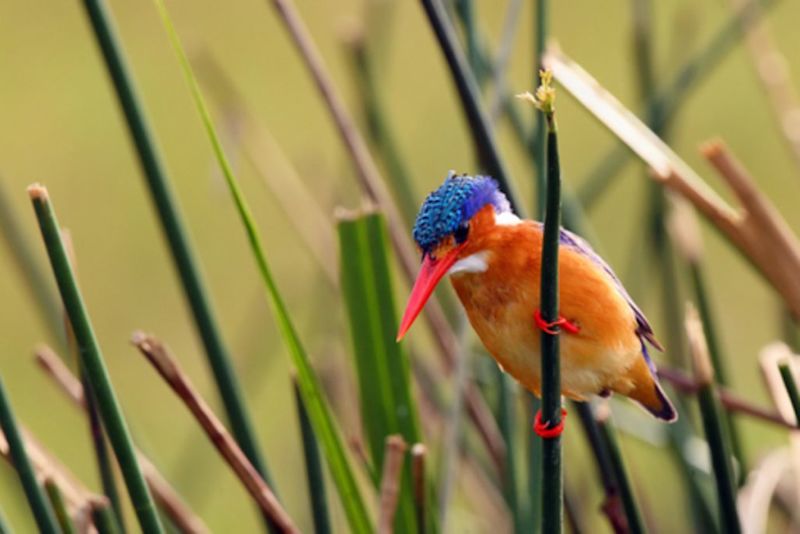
{"x":59,"y":506}
{"x":157,"y":354}
{"x":103,"y":517}
{"x":313,"y":395}
{"x":92,"y":361}
{"x":552,"y":475}
{"x":164,"y":494}
{"x":634,"y":521}
{"x":42,"y":513}
{"x":172,"y":225}
{"x":314,"y":473}
{"x":418,"y":454}
{"x":713,"y":425}
{"x":391,"y":482}
{"x":791,"y":388}
{"x":469,"y":94}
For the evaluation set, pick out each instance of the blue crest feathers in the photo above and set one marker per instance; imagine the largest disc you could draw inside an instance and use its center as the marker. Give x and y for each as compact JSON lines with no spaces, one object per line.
{"x":454,"y":203}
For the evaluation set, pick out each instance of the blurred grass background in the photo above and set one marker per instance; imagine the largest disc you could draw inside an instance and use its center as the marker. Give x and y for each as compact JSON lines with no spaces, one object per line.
{"x":60,"y":125}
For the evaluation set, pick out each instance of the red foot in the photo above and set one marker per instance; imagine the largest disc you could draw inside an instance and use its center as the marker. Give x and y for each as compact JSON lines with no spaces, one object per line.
{"x":550,"y":328}
{"x":544,"y":431}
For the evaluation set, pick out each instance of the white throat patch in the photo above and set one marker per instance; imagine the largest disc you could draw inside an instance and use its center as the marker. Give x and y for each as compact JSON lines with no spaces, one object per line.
{"x":474,"y":263}
{"x":506,"y":218}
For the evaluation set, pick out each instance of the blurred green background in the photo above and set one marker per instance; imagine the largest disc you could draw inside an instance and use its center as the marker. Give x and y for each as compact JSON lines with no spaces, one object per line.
{"x":60,"y":125}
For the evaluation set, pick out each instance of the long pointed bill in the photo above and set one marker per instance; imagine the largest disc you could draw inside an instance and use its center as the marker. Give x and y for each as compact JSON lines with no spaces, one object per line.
{"x":431,"y":271}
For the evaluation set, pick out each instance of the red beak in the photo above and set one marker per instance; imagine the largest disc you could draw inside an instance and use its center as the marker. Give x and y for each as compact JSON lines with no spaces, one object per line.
{"x":431,"y":271}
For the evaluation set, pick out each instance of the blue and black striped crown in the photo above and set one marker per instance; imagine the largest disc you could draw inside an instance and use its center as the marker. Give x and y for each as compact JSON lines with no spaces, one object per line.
{"x":453,"y":204}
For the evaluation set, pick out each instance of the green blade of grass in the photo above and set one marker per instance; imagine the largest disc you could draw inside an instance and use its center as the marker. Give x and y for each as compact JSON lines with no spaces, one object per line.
{"x":318,"y":410}
{"x":59,"y":507}
{"x":314,"y":474}
{"x":92,"y":361}
{"x":42,"y":513}
{"x":175,"y":234}
{"x":387,"y":405}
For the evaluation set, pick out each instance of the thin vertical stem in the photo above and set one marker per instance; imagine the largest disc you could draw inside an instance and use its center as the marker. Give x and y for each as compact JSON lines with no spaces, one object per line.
{"x":173,"y":228}
{"x":552,"y":476}
{"x":92,"y":361}
{"x":418,"y":453}
{"x":469,"y":93}
{"x":635,"y":524}
{"x":314,"y":472}
{"x":791,"y":389}
{"x":718,"y":444}
{"x":103,"y":517}
{"x":42,"y":513}
{"x":59,"y":507}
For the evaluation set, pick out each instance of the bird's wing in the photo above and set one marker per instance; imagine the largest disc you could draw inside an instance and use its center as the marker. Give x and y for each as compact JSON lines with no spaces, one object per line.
{"x":643,"y":328}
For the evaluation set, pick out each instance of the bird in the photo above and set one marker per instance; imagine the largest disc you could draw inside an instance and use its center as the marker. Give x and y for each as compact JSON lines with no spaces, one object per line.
{"x":466,"y":230}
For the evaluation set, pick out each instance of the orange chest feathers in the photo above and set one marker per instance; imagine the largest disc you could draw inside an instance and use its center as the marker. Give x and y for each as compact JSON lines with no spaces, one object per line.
{"x":501,"y":301}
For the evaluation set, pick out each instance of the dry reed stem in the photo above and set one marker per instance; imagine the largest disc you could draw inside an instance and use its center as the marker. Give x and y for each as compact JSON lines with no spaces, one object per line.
{"x":759,"y":489}
{"x":418,"y":455}
{"x":758,"y":230}
{"x":373,"y":186}
{"x":157,"y":354}
{"x":165,"y":495}
{"x":46,"y":466}
{"x":769,"y":358}
{"x":390,"y":482}
{"x":730,"y":400}
{"x":772,"y":69}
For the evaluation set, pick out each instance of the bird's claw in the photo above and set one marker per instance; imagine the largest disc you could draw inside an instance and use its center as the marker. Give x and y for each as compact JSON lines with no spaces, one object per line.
{"x":551,"y":328}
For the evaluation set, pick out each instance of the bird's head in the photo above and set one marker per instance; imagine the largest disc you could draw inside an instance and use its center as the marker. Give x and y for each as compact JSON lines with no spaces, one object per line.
{"x":450,"y":231}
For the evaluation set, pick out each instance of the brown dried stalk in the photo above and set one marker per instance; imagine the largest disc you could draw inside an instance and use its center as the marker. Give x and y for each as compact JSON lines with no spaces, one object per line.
{"x":164,"y":494}
{"x":390,"y":482}
{"x":418,"y":454}
{"x":46,"y":466}
{"x":156,"y":353}
{"x":758,"y":230}
{"x":373,"y":187}
{"x":730,"y":400}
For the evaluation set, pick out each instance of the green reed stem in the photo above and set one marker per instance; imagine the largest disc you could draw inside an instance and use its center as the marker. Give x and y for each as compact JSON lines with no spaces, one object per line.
{"x":104,"y":519}
{"x":107,"y":479}
{"x":718,"y":361}
{"x":552,"y":476}
{"x":314,"y":473}
{"x":791,"y":389}
{"x":312,"y":392}
{"x":175,"y":233}
{"x":469,"y":94}
{"x":59,"y":507}
{"x":92,"y":362}
{"x":42,"y":513}
{"x":635,"y":524}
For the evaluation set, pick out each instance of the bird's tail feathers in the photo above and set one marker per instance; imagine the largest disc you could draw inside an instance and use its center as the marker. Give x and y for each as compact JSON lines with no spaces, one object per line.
{"x":648,"y":392}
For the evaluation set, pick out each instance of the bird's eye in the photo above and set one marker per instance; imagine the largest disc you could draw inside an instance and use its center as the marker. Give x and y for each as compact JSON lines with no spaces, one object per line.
{"x":461,"y":233}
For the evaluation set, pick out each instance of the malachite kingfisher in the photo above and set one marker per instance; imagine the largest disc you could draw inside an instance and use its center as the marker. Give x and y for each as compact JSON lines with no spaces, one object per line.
{"x":467,"y":230}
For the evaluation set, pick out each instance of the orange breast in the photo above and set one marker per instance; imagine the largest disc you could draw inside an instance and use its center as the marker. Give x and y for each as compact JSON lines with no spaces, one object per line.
{"x":501,"y":302}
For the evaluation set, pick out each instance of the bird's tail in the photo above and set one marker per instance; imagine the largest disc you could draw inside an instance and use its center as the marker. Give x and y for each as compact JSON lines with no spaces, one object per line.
{"x":647,"y":392}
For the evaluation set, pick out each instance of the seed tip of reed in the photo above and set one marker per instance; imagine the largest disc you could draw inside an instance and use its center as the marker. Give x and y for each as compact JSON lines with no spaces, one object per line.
{"x":703,"y":370}
{"x":418,"y":450}
{"x":37,"y":191}
{"x":712,"y":148}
